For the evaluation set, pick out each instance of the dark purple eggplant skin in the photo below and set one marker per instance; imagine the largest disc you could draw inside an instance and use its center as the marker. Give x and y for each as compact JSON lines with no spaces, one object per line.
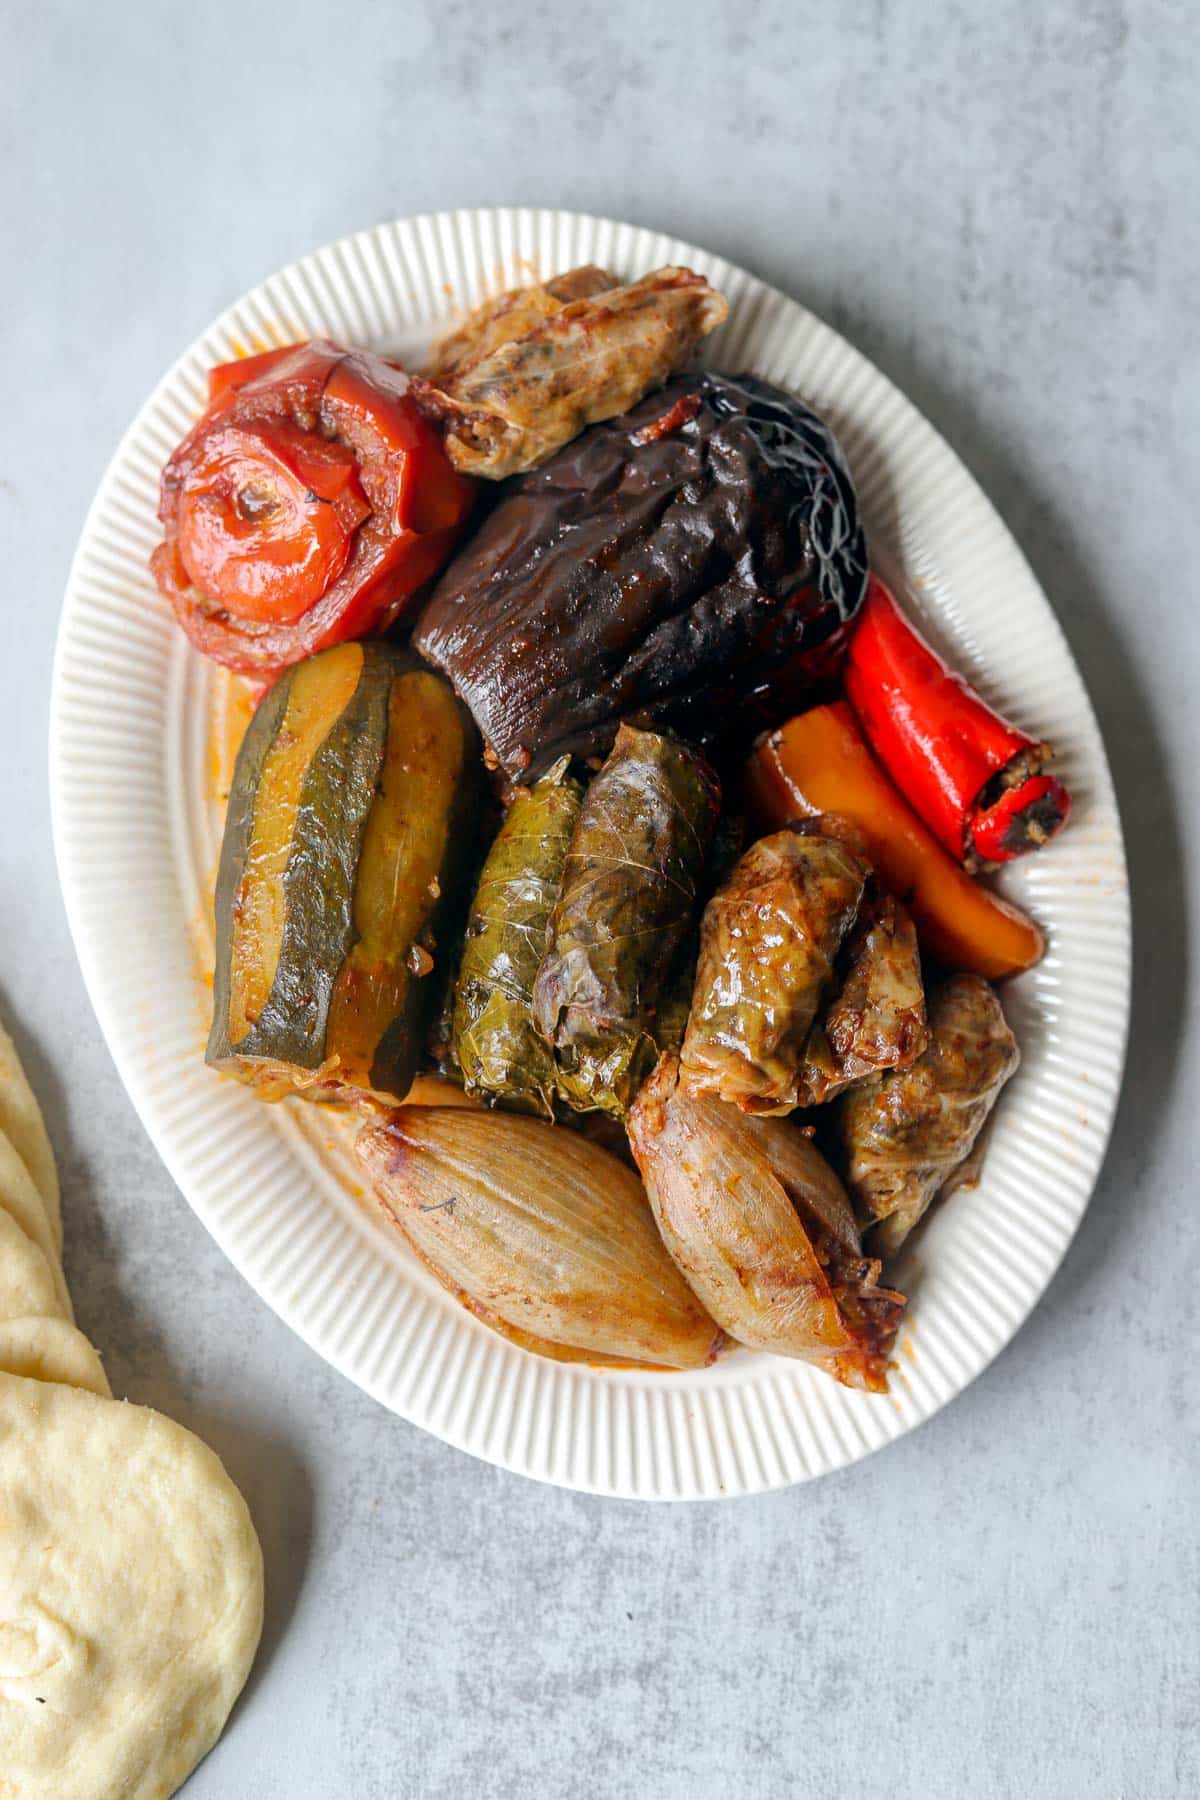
{"x":693,"y":565}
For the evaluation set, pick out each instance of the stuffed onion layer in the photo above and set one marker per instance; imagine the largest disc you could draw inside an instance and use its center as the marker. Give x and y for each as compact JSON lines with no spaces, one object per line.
{"x":761,"y":1231}
{"x":540,"y":1233}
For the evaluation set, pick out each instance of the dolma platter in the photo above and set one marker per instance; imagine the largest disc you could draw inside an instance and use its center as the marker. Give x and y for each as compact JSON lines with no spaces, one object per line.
{"x":137,"y":831}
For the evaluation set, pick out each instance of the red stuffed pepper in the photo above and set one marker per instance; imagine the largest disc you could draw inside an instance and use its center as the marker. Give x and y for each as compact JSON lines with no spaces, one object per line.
{"x":309,"y":505}
{"x":978,"y":783}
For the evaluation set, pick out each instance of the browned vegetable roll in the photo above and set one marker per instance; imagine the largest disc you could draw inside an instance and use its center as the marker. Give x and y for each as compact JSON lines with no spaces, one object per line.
{"x":758,"y":1224}
{"x":504,"y":318}
{"x":540,"y":1233}
{"x":509,"y":409}
{"x":905,"y":1133}
{"x":768,"y":941}
{"x":876,"y":1018}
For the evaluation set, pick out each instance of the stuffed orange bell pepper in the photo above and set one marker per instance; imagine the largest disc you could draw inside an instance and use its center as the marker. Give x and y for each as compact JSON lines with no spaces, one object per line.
{"x":819,"y":762}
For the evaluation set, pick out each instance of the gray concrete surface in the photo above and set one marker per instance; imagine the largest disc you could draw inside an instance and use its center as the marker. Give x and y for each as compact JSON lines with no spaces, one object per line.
{"x":998,"y":202}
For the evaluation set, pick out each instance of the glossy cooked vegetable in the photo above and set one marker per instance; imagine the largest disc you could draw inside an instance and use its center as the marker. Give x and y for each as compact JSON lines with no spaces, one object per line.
{"x":819,"y":763}
{"x":505,"y":317}
{"x":754,"y":1223}
{"x":308,"y":505}
{"x":978,"y":783}
{"x":812,"y":1185}
{"x":508,"y":409}
{"x":352,"y":804}
{"x":694,"y":564}
{"x":627,"y":901}
{"x":499,"y":1052}
{"x":768,"y":941}
{"x":904,"y":1134}
{"x":541,"y":1234}
{"x":876,"y":1018}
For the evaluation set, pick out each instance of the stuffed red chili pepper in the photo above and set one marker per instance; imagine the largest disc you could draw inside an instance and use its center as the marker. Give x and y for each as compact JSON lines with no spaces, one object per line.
{"x":307,"y":506}
{"x":979,"y":784}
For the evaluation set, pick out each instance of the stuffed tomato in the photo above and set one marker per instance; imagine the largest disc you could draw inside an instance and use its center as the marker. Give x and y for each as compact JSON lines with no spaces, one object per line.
{"x":309,"y":505}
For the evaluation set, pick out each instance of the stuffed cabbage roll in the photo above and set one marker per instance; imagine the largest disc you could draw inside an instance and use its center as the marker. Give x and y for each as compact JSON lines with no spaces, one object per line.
{"x":768,"y":940}
{"x":504,"y":318}
{"x":755,"y":1221}
{"x":627,"y":902}
{"x":904,"y":1134}
{"x":509,"y":410}
{"x":694,"y":564}
{"x":876,"y":1018}
{"x":499,"y":1052}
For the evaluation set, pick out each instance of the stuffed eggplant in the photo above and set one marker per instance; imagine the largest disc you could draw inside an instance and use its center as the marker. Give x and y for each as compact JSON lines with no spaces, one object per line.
{"x":757,"y":1223}
{"x":499,"y":1053}
{"x":352,"y":805}
{"x":768,"y":941}
{"x":694,"y":563}
{"x":906,"y":1133}
{"x":628,"y":899}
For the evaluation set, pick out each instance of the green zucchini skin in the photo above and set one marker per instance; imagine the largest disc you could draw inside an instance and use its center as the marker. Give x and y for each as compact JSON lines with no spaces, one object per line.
{"x":239,"y":824}
{"x":340,"y":785}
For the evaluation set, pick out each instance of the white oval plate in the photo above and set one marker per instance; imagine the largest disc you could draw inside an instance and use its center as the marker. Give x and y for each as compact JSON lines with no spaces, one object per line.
{"x":136,"y":835}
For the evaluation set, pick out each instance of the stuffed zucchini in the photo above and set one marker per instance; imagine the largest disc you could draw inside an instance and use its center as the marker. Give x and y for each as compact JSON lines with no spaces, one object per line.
{"x":352,"y":806}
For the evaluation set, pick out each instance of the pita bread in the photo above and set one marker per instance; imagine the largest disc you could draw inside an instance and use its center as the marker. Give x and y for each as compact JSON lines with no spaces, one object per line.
{"x":21,"y":1120}
{"x":20,"y":1199}
{"x":27,"y":1284}
{"x":51,"y":1350}
{"x":131,"y":1597}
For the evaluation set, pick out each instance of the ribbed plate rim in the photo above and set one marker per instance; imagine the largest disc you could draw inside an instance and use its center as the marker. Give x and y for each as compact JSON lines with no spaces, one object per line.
{"x":651,"y":1423}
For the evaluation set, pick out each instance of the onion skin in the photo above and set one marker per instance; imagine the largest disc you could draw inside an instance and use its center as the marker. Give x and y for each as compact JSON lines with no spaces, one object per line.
{"x":811,"y":1184}
{"x":772,"y":1280}
{"x":538,"y":1232}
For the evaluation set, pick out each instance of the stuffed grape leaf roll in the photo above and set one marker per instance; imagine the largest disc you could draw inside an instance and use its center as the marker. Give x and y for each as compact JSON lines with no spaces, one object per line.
{"x":500,"y":1054}
{"x":906,"y":1132}
{"x":628,"y":899}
